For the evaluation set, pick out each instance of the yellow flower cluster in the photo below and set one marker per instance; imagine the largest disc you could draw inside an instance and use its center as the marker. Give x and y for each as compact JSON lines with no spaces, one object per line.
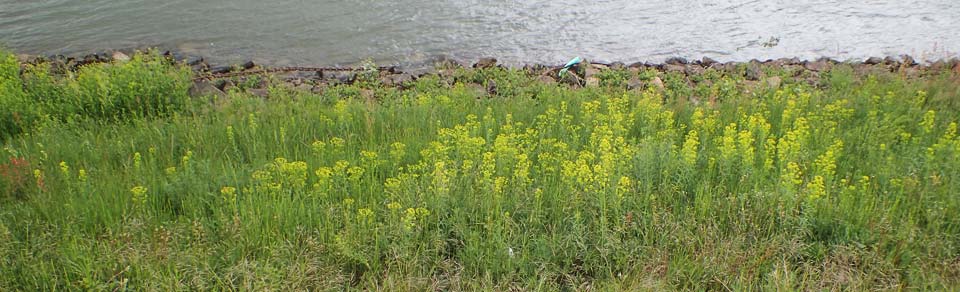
{"x":139,"y":197}
{"x":281,"y":177}
{"x":412,"y":216}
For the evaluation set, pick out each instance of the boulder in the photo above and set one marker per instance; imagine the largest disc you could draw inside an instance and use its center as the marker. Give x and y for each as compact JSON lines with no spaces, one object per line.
{"x":773,"y":82}
{"x":248,"y":65}
{"x":693,"y":70}
{"x":571,"y":78}
{"x":25,"y":59}
{"x":228,"y":86}
{"x":396,"y":79}
{"x":728,"y":67}
{"x":421,"y":71}
{"x":220,"y":69}
{"x":485,"y":63}
{"x":593,"y":70}
{"x":818,"y":65}
{"x":707,"y":61}
{"x":295,"y":81}
{"x":90,"y":59}
{"x":447,"y":63}
{"x":618,"y":66}
{"x":634,"y":83}
{"x":674,"y":68}
{"x":657,"y":83}
{"x":873,"y":61}
{"x":222,"y":85}
{"x":194,"y":60}
{"x":593,"y":82}
{"x":753,"y":72}
{"x":888,"y":60}
{"x":259,"y":92}
{"x":787,"y":61}
{"x":205,"y":88}
{"x":907,"y":60}
{"x":120,"y":57}
{"x":202,"y":67}
{"x":638,"y":65}
{"x":546,"y":79}
{"x":491,"y":87}
{"x":341,"y":77}
{"x":676,"y":61}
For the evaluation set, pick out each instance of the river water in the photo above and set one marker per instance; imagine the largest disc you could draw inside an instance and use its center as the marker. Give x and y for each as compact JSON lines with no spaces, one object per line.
{"x":326,"y":32}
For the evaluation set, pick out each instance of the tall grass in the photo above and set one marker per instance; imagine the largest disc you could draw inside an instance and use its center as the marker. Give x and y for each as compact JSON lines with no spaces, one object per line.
{"x":851,"y":186}
{"x":146,"y":86}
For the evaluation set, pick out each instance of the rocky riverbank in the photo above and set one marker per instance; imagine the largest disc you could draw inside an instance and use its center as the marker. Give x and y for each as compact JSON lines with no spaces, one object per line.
{"x":216,"y":79}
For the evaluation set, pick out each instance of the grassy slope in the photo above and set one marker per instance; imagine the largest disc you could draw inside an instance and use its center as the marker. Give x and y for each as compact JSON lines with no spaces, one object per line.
{"x":441,"y":187}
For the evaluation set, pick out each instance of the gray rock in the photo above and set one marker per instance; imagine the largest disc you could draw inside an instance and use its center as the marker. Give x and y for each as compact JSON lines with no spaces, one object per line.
{"x":120,"y":57}
{"x":344,"y":77}
{"x":674,"y":68}
{"x":421,"y":71}
{"x":693,"y":70}
{"x":788,"y":61}
{"x":593,"y":70}
{"x":729,"y":67}
{"x":707,"y":61}
{"x":259,"y":92}
{"x":754,"y":72}
{"x":907,"y":60}
{"x":676,"y":61}
{"x":657,"y":83}
{"x":220,"y":69}
{"x":447,"y":63}
{"x":485,"y":63}
{"x":593,"y":82}
{"x":204,"y":88}
{"x":90,"y":59}
{"x":295,"y":81}
{"x":194,"y":60}
{"x":873,"y":61}
{"x":229,"y":86}
{"x":202,"y":67}
{"x":818,"y":65}
{"x":639,"y":65}
{"x":571,"y":78}
{"x":492,"y":87}
{"x":773,"y":82}
{"x":396,"y":79}
{"x":25,"y":59}
{"x":222,"y":85}
{"x":546,"y":79}
{"x":634,"y":83}
{"x":248,"y":65}
{"x":891,"y":61}
{"x":618,"y":66}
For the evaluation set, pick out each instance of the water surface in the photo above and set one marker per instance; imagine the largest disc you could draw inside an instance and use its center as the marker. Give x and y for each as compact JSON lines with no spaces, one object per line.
{"x":528,"y":31}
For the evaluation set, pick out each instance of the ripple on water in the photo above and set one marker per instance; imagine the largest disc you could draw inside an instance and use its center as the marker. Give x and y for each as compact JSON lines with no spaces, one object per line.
{"x":328,"y":32}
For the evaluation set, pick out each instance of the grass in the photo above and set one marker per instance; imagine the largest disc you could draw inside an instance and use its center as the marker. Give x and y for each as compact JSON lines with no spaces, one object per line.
{"x":119,"y":181}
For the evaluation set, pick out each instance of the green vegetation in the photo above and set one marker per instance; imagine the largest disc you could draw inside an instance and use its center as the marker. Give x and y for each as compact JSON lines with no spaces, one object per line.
{"x":113,"y":179}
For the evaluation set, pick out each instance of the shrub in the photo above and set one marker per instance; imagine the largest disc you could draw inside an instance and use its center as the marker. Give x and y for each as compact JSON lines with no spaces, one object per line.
{"x":16,"y":112}
{"x":147,"y":85}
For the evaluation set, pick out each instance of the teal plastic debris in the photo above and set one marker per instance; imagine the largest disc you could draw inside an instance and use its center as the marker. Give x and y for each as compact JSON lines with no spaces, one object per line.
{"x":566,"y":67}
